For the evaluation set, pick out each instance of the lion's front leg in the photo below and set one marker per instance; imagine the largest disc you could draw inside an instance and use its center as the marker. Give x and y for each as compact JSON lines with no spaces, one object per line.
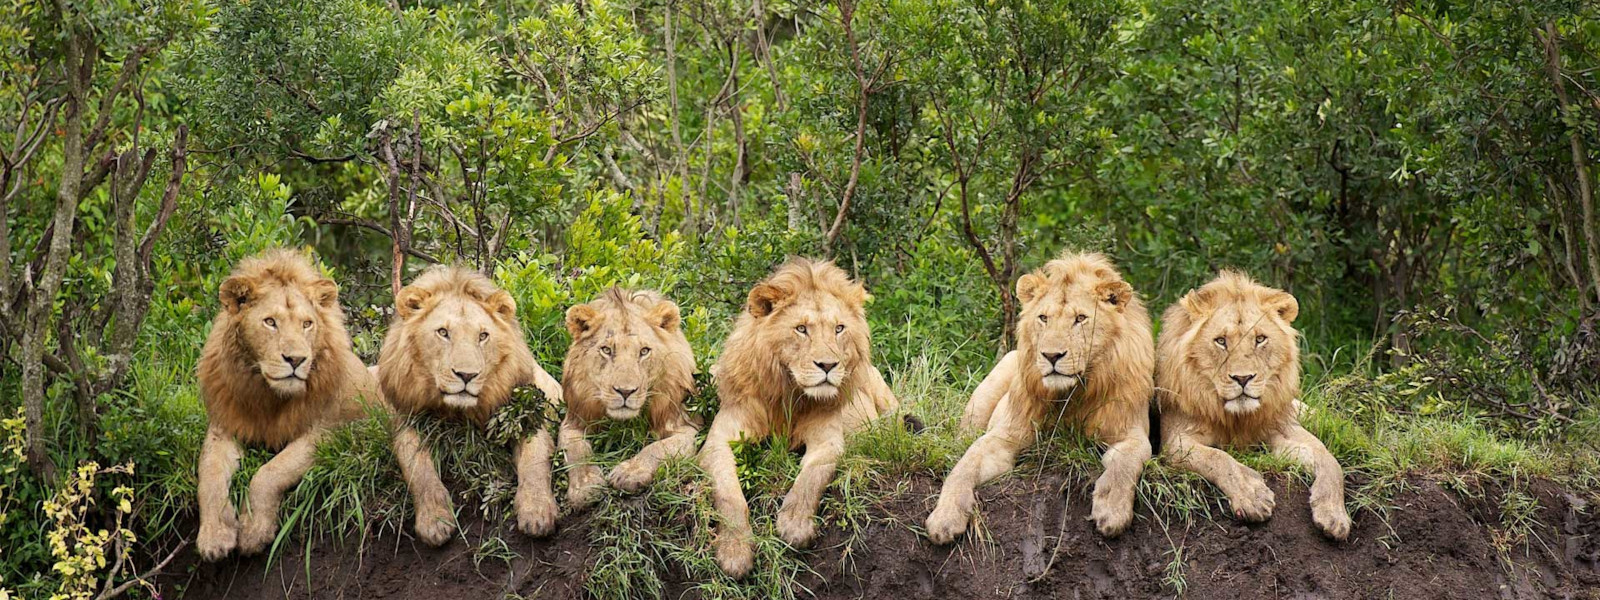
{"x":635,"y":473}
{"x":989,"y":393}
{"x":219,"y":521}
{"x":436,"y":518}
{"x":267,"y":488}
{"x":796,"y":522}
{"x":993,"y":454}
{"x":1327,"y":491}
{"x":1112,"y":505}
{"x":535,"y":503}
{"x":734,"y":541}
{"x":1247,"y":492}
{"x":584,"y":480}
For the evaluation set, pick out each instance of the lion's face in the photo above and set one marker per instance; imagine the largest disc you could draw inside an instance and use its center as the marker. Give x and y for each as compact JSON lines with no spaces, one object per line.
{"x":278,"y":325}
{"x":1070,"y":315}
{"x":457,"y":339}
{"x":621,"y":344}
{"x":1243,"y":344}
{"x":819,"y":333}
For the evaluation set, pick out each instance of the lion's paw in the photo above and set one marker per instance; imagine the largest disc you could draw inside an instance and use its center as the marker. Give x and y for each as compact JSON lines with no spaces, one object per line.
{"x":536,"y":515}
{"x":947,"y":523}
{"x":257,"y":534}
{"x":1110,"y":519}
{"x":1332,"y":520}
{"x":735,"y":555}
{"x":631,"y":476}
{"x":584,"y":486}
{"x":1255,"y":501}
{"x":217,"y":540}
{"x":796,"y":527}
{"x":435,"y":525}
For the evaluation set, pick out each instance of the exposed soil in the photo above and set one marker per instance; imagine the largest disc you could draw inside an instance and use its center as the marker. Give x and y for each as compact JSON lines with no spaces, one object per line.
{"x":1436,"y":544}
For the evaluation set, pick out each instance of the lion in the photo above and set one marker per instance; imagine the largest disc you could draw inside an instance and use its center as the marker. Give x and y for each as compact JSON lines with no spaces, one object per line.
{"x":456,"y":351}
{"x":1084,"y":357}
{"x":1229,"y":375}
{"x":628,"y":355}
{"x":798,"y":364}
{"x":277,"y":370}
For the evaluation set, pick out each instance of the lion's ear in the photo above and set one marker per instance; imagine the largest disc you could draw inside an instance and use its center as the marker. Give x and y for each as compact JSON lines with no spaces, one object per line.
{"x":581,"y":319}
{"x":236,"y":292}
{"x":666,"y":316}
{"x":1029,"y":287}
{"x":501,"y":303}
{"x":410,"y":301}
{"x":1116,"y":293}
{"x":1284,"y":304}
{"x":1199,"y":303}
{"x":765,"y":299}
{"x":325,"y":293}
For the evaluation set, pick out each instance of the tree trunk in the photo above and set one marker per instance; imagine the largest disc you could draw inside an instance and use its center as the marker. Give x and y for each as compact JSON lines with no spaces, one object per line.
{"x":1580,"y":155}
{"x":79,"y":66}
{"x":796,"y":199}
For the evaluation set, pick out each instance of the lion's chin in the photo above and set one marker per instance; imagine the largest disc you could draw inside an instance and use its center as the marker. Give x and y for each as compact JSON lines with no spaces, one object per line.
{"x":1057,"y":382}
{"x":288,"y":387}
{"x":460,"y":400}
{"x":621,"y":413}
{"x":822,"y":391}
{"x":1241,"y":405}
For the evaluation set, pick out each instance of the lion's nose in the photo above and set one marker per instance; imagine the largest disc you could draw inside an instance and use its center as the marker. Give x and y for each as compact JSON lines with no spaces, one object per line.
{"x":294,"y":361}
{"x":1052,"y":357}
{"x":1242,"y":379}
{"x":624,"y":393}
{"x":465,"y":376}
{"x":826,"y":366}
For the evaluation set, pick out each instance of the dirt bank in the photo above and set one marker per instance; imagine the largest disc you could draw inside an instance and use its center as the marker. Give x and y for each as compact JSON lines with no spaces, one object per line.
{"x":1435,"y":544}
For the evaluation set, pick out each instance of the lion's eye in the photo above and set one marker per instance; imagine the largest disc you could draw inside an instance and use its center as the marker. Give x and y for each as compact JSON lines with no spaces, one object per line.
{"x":271,"y":322}
{"x":1080,"y":318}
{"x":1221,"y":341}
{"x":606,"y":350}
{"x":483,"y":336}
{"x":643,"y":352}
{"x":306,"y":325}
{"x":1044,"y":318}
{"x":1261,"y":339}
{"x":444,"y":333}
{"x":838,"y":330}
{"x":800,"y":329}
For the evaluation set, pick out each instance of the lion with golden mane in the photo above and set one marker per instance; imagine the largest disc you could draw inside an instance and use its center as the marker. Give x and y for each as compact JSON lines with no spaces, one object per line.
{"x":1084,"y":358}
{"x":456,"y":351}
{"x":276,"y":370}
{"x":798,"y":365}
{"x":628,"y":357}
{"x":1229,"y":376}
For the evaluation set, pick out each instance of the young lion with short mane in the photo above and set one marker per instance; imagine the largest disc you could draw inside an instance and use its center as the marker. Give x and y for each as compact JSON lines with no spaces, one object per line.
{"x":277,"y":370}
{"x":628,"y":356}
{"x":456,"y":351}
{"x":1084,"y":357}
{"x":798,"y":364}
{"x":1229,"y":375}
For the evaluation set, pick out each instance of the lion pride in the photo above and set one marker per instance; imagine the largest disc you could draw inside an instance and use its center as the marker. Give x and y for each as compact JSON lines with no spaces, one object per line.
{"x":1084,"y":357}
{"x":798,"y":364}
{"x":628,"y":356}
{"x":1229,"y":376}
{"x":456,"y":351}
{"x":276,"y":370}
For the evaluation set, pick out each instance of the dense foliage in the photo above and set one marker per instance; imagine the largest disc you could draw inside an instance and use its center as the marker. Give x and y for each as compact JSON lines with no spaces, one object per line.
{"x":1420,"y":174}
